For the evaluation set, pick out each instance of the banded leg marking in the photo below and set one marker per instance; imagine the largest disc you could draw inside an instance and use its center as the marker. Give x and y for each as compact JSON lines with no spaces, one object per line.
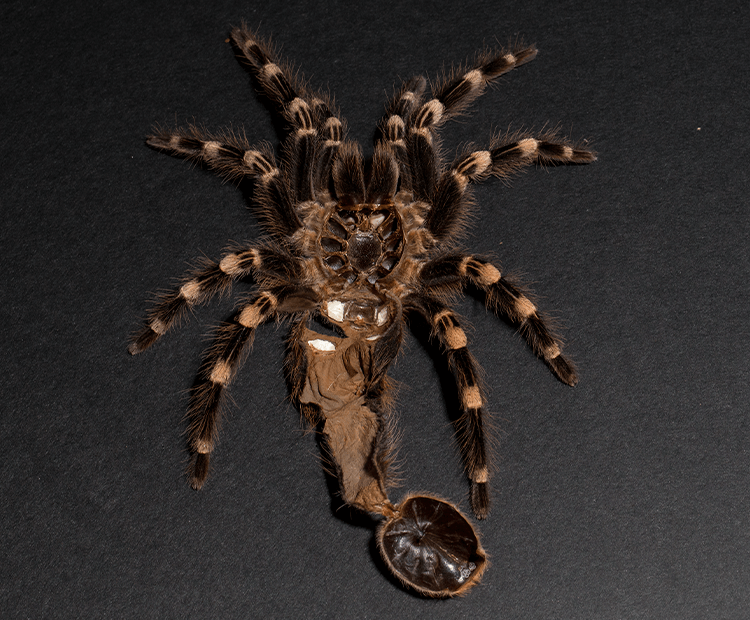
{"x":461,"y":88}
{"x":198,"y":287}
{"x":470,"y":426}
{"x":221,"y":364}
{"x":504,"y":157}
{"x":453,"y":271}
{"x":509,"y":299}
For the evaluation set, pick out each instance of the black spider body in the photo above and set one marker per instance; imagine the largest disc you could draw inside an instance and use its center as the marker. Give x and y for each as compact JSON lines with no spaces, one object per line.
{"x":361,"y":247}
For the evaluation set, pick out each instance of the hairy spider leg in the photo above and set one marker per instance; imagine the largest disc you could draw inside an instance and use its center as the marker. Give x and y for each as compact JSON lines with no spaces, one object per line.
{"x":232,"y":157}
{"x":223,"y":360}
{"x":315,"y":130}
{"x":453,"y":271}
{"x":392,"y":127}
{"x":506,"y":155}
{"x":449,"y":98}
{"x":471,"y":424}
{"x":207,"y":280}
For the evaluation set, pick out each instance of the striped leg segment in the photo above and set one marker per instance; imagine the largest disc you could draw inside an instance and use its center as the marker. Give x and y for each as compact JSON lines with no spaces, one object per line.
{"x":449,"y":99}
{"x":221,"y":364}
{"x":198,"y":287}
{"x":463,"y":86}
{"x":505,"y":156}
{"x":452,"y":272}
{"x":229,"y":154}
{"x":207,"y":281}
{"x":316,"y":131}
{"x":233,"y":158}
{"x":393,"y":127}
{"x":410,"y":127}
{"x":471,"y":424}
{"x":282,"y":85}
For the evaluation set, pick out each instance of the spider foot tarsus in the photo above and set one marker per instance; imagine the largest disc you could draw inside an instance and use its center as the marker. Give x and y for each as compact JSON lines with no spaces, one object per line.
{"x":564,"y":370}
{"x":143,"y":341}
{"x":480,"y":499}
{"x":199,"y":470}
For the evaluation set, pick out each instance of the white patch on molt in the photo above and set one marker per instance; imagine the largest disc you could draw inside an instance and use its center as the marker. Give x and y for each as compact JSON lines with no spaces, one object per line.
{"x":335,"y":310}
{"x":322,"y":345}
{"x":377,"y":219}
{"x":375,"y":337}
{"x":382,"y":316}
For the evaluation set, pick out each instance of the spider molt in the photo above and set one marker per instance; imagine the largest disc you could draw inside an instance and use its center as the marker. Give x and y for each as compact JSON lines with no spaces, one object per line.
{"x":359,"y":246}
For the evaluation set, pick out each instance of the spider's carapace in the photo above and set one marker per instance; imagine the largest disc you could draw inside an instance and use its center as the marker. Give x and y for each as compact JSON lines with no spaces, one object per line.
{"x":363,"y":242}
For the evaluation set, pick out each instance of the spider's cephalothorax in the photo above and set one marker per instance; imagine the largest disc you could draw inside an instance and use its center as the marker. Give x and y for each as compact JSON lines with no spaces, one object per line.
{"x":363,"y":243}
{"x":361,"y":248}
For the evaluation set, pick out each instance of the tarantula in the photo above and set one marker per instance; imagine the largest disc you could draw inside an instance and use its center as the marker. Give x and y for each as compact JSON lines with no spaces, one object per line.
{"x":359,"y":247}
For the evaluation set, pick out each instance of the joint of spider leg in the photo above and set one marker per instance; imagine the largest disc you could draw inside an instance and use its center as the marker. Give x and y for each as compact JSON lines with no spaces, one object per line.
{"x":334,"y":129}
{"x":274,"y":76}
{"x":299,"y":113}
{"x":191,"y":292}
{"x":511,"y":154}
{"x":524,"y":307}
{"x":476,"y":164}
{"x":253,"y":315}
{"x":452,"y":334}
{"x":249,"y":45}
{"x":232,"y":264}
{"x":201,"y":446}
{"x":319,"y":105}
{"x":395,"y":130}
{"x":259,"y":165}
{"x":481,"y":476}
{"x":212,"y":148}
{"x":221,"y":372}
{"x":158,"y":326}
{"x":471,"y":397}
{"x":484,"y":274}
{"x":429,"y":115}
{"x":412,"y":212}
{"x":475,"y":78}
{"x":455,"y":338}
{"x":420,"y":242}
{"x":468,"y":87}
{"x":552,"y":351}
{"x":502,"y":64}
{"x":472,"y":168}
{"x":529,"y":147}
{"x":175,"y":142}
{"x":407,"y":99}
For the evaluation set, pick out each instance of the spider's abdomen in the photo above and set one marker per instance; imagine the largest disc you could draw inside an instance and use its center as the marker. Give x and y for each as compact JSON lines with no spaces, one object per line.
{"x":362,"y":242}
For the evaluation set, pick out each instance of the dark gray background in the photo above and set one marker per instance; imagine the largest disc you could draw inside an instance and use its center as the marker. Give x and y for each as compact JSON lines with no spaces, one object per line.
{"x":626,"y":497}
